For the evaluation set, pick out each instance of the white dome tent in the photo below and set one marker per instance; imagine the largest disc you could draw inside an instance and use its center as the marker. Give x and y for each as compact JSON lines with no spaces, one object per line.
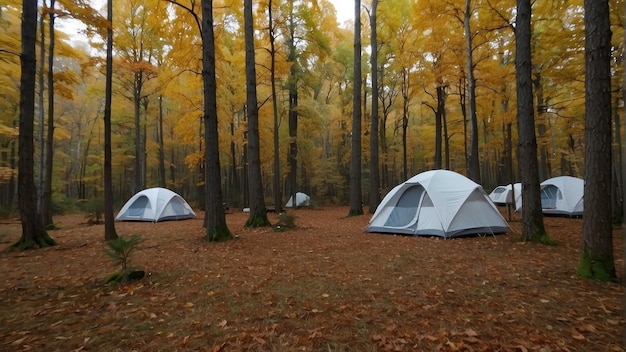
{"x":561,"y":195}
{"x":437,"y":203}
{"x":302,"y":200}
{"x":155,"y":204}
{"x":503,"y":195}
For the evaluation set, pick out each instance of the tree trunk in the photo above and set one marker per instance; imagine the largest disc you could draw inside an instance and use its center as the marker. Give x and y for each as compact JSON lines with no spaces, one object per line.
{"x":278,"y":207}
{"x":292,"y":87}
{"x":374,"y":194}
{"x":405,"y":121}
{"x":463,"y":104}
{"x":34,"y":234}
{"x":597,"y":260}
{"x":473,"y":160}
{"x":356,"y":198}
{"x":438,"y":129}
{"x":258,"y":212}
{"x":215,"y":218}
{"x":46,"y":196}
{"x":161,"y":173}
{"x":40,"y":134}
{"x":109,"y":221}
{"x":444,"y":122}
{"x":532,"y":216}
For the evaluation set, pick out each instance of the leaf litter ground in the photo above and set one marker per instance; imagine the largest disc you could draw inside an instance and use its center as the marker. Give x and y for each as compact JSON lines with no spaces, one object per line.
{"x":323,"y":286}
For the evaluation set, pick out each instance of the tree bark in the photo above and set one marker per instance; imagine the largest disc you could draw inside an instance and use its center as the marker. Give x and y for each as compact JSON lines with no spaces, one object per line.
{"x":215,"y":218}
{"x":46,"y":195}
{"x":278,"y":207}
{"x":41,"y":127}
{"x":258,"y":211}
{"x":532,"y":216}
{"x":356,"y":198}
{"x":34,"y":234}
{"x":597,"y":260}
{"x":160,"y":137}
{"x":473,"y":160}
{"x":374,"y":194}
{"x":109,"y":221}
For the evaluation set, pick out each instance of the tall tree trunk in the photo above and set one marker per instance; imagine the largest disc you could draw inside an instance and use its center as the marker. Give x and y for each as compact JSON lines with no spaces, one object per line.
{"x":258,"y":212}
{"x":544,"y":173}
{"x":41,"y":127}
{"x":438,"y":129}
{"x":623,"y":172}
{"x":138,"y":183}
{"x":292,"y":157}
{"x":215,"y":218}
{"x":444,"y":122}
{"x":405,"y":121}
{"x":473,"y":160}
{"x":46,"y":200}
{"x":374,"y":194}
{"x":532,"y":216}
{"x":109,"y":221}
{"x":161,"y":173}
{"x":356,"y":198}
{"x":34,"y":234}
{"x":463,"y":104}
{"x":278,"y":208}
{"x":234,"y":173}
{"x":597,"y":260}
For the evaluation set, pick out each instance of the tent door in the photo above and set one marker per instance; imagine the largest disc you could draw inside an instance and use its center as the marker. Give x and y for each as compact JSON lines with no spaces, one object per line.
{"x":138,"y":208}
{"x":406,"y":210}
{"x":549,"y":196}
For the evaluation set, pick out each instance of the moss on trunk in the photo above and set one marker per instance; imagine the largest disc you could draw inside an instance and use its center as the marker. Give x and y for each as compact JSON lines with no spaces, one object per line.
{"x":41,"y":240}
{"x":595,"y":268}
{"x":219,"y":235}
{"x":543,"y":238}
{"x":257,"y":221}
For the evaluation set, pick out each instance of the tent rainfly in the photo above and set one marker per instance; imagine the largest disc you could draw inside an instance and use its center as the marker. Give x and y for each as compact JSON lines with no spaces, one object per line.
{"x":503,"y":195}
{"x":155,"y":204}
{"x":302,"y":200}
{"x":437,"y":203}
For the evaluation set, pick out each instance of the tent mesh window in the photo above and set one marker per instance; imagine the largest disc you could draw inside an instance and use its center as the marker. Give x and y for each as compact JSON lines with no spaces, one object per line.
{"x":138,"y":207}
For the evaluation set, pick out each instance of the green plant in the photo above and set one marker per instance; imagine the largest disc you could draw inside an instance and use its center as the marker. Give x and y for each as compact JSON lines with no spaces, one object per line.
{"x":286,"y":222}
{"x":121,"y":248}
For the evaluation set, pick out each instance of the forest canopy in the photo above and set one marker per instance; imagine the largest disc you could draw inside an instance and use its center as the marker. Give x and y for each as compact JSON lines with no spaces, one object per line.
{"x":422,"y":88}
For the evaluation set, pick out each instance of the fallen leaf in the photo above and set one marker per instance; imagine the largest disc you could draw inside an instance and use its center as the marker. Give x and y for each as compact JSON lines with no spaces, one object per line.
{"x":471,"y":333}
{"x":18,"y":341}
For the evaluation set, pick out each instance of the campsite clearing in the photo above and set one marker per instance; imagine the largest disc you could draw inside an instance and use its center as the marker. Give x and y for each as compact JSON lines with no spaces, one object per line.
{"x":324,"y":286}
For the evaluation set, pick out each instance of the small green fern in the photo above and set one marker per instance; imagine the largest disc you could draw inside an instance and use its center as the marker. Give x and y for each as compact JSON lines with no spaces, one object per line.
{"x":121,"y":248}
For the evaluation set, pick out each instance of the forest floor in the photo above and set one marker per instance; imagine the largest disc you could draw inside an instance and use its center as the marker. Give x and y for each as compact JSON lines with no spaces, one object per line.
{"x":323,"y":286}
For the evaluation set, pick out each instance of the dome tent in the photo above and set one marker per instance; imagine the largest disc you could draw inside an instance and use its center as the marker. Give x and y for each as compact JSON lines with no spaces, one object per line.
{"x":503,"y":195}
{"x":302,"y":200}
{"x":561,"y":195}
{"x":155,"y":204}
{"x":437,"y":203}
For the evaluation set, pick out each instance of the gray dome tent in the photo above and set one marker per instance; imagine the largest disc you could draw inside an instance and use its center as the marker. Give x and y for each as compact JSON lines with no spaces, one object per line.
{"x":437,"y":203}
{"x":155,"y":204}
